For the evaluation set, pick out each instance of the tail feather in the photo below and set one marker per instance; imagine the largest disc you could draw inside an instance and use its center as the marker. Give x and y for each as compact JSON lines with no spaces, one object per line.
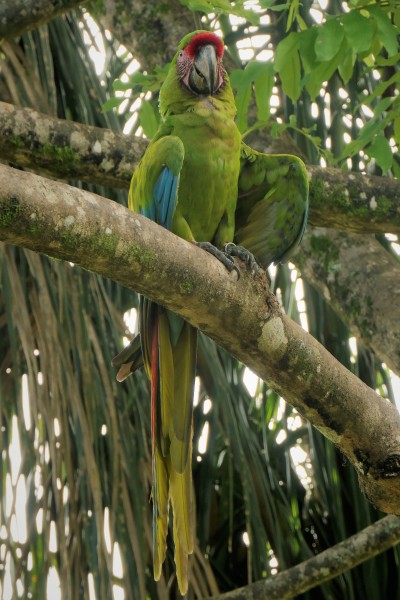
{"x":181,"y":491}
{"x":169,"y":353}
{"x":185,"y":370}
{"x":160,"y":512}
{"x":129,"y":359}
{"x":167,"y":378}
{"x":182,"y":568}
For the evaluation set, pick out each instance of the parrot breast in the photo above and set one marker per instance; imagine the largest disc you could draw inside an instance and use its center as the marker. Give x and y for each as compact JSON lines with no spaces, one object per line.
{"x":209,"y":176}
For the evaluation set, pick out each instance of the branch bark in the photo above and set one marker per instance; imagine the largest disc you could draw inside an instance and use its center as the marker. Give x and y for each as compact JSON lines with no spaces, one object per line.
{"x":242,"y":316}
{"x":65,"y":149}
{"x":19,"y":16}
{"x":150,"y":30}
{"x":361,"y":281}
{"x":358,"y":548}
{"x":354,"y":202}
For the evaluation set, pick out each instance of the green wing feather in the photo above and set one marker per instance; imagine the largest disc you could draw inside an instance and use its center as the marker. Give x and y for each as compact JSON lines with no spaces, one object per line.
{"x":164,"y":150}
{"x":272,"y":206}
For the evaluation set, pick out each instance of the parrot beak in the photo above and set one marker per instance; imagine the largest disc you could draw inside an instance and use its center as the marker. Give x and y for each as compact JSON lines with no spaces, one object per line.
{"x":203,"y":78}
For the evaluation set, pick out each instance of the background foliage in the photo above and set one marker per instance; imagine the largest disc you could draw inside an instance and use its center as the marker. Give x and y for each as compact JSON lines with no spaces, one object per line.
{"x":270,"y":490}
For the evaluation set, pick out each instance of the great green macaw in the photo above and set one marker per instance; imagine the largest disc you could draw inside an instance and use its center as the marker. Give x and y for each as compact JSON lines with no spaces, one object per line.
{"x":199,"y":180}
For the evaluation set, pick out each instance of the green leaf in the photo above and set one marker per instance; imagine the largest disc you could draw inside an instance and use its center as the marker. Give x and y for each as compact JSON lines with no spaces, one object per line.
{"x":240,"y":81}
{"x":148,"y":119}
{"x":329,"y":39}
{"x":262,"y":75}
{"x":346,"y":67}
{"x":307,"y":48}
{"x":271,"y":6}
{"x":387,"y":31}
{"x":384,"y":104}
{"x":358,"y":31}
{"x":112,"y":103}
{"x":263,"y":84}
{"x":396,"y":128}
{"x":324,"y":71}
{"x":371,"y":129}
{"x":387,"y":62}
{"x":287,"y":64}
{"x":293,"y":12}
{"x":381,"y":151}
{"x":382,"y":87}
{"x":222,"y":7}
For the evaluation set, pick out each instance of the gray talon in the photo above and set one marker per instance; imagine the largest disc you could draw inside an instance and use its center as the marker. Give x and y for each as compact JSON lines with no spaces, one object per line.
{"x":224,"y":257}
{"x":244,"y":254}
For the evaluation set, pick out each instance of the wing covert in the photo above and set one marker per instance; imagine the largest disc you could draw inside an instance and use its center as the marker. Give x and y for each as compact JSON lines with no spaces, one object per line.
{"x":154,"y":186}
{"x":272,"y":207}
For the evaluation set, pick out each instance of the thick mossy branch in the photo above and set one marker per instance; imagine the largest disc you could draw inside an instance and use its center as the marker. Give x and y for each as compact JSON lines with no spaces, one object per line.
{"x":361,"y":281}
{"x":353,"y":201}
{"x":150,"y":30}
{"x":19,"y":16}
{"x":65,"y":149}
{"x":328,"y":564}
{"x":241,"y":315}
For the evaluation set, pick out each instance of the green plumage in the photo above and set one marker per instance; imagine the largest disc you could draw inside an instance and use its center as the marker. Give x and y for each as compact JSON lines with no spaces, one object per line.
{"x":198,"y":179}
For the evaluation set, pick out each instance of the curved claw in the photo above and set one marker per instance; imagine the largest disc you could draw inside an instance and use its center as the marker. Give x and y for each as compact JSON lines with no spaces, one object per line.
{"x":241,"y":252}
{"x":224,"y":257}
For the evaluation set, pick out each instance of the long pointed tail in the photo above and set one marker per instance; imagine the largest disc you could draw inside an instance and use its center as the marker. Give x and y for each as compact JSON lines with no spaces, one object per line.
{"x":172,"y":373}
{"x":166,"y":346}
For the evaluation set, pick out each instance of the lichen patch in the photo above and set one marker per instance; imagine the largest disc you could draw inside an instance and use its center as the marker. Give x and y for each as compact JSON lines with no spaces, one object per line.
{"x":273,"y":338}
{"x":97,"y":147}
{"x":69,"y":221}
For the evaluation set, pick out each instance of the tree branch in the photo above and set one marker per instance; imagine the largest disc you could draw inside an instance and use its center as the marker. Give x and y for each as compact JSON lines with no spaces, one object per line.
{"x":150,"y":30}
{"x":65,"y":149}
{"x":330,"y":563}
{"x":19,"y":16}
{"x":353,"y":201}
{"x":361,"y":282}
{"x":242,"y":316}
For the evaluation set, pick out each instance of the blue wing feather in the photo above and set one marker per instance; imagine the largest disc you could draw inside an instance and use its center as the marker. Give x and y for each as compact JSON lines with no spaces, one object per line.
{"x":164,"y":197}
{"x":154,"y":186}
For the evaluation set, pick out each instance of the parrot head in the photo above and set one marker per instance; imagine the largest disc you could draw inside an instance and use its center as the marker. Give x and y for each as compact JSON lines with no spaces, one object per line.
{"x":199,"y":64}
{"x":195,"y":74}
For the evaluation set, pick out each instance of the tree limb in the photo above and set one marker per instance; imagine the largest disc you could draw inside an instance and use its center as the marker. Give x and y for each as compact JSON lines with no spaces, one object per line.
{"x":242,"y":316}
{"x":150,"y":30}
{"x":328,"y":564}
{"x":353,"y":201}
{"x":361,"y":281}
{"x":65,"y":149}
{"x":19,"y":16}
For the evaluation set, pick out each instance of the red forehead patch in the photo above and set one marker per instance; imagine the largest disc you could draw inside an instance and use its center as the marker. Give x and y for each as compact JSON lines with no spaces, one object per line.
{"x":202,"y":39}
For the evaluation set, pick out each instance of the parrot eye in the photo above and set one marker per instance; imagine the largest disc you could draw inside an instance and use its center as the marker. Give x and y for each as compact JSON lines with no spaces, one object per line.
{"x":180,"y":54}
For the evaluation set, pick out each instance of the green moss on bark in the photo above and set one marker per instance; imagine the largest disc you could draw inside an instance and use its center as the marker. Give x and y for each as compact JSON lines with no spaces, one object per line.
{"x":326,"y":251}
{"x":10,"y":210}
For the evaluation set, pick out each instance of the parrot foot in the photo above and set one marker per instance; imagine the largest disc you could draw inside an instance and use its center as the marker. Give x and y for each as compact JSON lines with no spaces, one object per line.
{"x":245,"y":255}
{"x":224,"y":257}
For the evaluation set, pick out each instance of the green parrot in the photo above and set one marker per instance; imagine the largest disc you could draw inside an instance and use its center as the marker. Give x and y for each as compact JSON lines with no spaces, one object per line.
{"x":199,"y":180}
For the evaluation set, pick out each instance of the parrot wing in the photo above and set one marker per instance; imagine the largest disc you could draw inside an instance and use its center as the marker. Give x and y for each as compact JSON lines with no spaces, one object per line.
{"x":272,"y":206}
{"x":154,"y":185}
{"x":152,"y":193}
